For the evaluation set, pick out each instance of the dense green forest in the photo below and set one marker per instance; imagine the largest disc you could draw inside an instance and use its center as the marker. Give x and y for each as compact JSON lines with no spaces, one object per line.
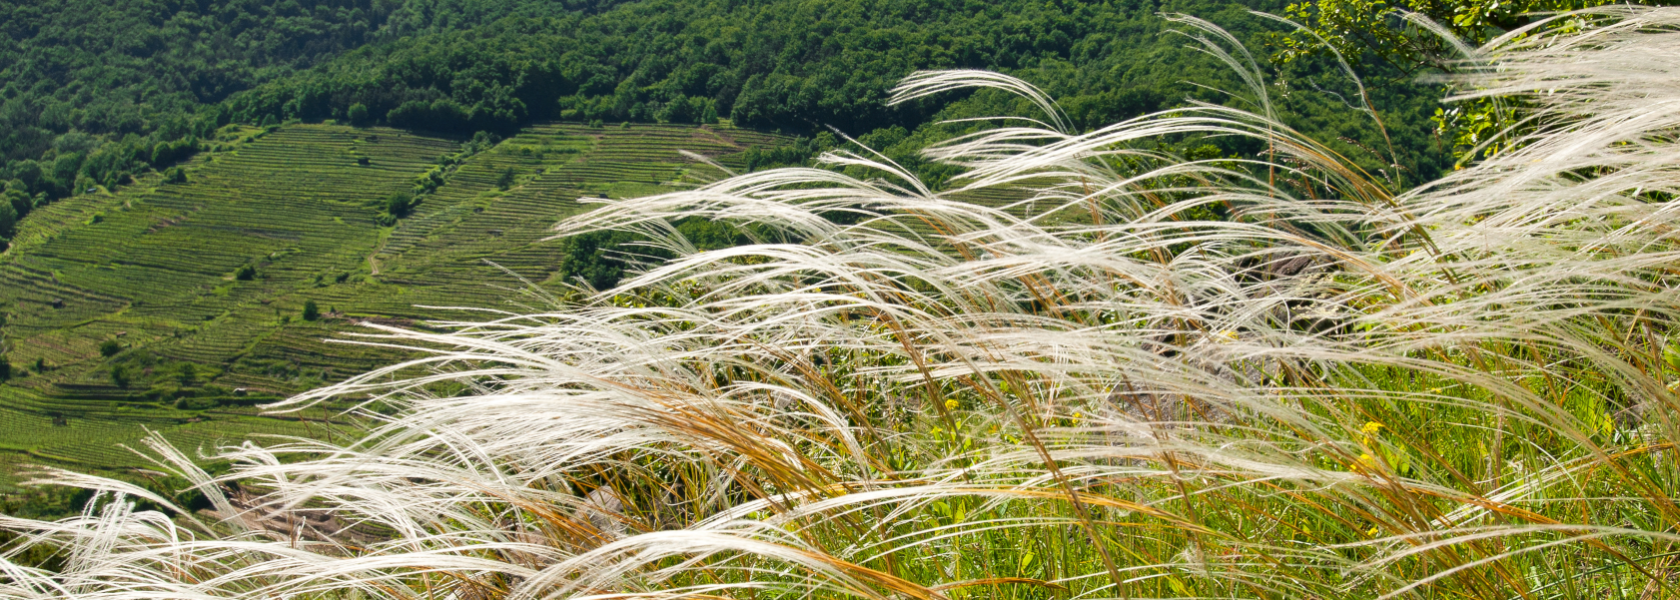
{"x":97,"y":93}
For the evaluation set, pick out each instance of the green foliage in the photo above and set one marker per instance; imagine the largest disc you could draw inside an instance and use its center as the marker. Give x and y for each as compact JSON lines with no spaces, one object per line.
{"x":1375,"y":38}
{"x":17,"y":197}
{"x":594,"y":258}
{"x":5,"y":368}
{"x":1375,"y":30}
{"x":311,"y":311}
{"x":175,"y":175}
{"x":195,"y":403}
{"x":187,"y":374}
{"x":8,"y":220}
{"x":399,"y":205}
{"x":601,"y":259}
{"x":110,"y":348}
{"x":45,"y":502}
{"x":475,"y":65}
{"x":506,"y":179}
{"x":165,"y":153}
{"x":358,"y":114}
{"x":800,"y":66}
{"x":111,"y":81}
{"x":121,"y":376}
{"x":245,"y":272}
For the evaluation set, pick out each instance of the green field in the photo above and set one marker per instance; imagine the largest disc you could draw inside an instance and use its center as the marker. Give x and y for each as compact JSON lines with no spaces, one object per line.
{"x":153,"y":269}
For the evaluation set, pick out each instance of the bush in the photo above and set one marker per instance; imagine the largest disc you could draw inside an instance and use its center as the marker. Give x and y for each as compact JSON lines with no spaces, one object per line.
{"x":20,"y":201}
{"x":358,"y":114}
{"x":109,"y":348}
{"x":121,"y":376}
{"x":5,"y":368}
{"x":246,"y":272}
{"x":175,"y":175}
{"x":399,"y":205}
{"x":8,"y":220}
{"x":507,"y":178}
{"x":195,"y":403}
{"x":159,"y":394}
{"x":311,"y":311}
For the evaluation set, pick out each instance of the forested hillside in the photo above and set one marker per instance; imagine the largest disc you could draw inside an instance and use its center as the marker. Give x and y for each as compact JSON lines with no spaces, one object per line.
{"x":96,"y":94}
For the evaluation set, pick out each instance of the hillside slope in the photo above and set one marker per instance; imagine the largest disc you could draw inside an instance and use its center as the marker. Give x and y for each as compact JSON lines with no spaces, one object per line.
{"x":97,"y":96}
{"x":129,"y":310}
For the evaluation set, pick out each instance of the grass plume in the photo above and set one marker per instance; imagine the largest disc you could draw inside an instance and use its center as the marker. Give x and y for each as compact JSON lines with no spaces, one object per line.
{"x":1336,"y":389}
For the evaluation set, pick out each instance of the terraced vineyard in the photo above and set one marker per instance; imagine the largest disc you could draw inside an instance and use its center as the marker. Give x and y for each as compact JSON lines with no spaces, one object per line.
{"x":153,"y":273}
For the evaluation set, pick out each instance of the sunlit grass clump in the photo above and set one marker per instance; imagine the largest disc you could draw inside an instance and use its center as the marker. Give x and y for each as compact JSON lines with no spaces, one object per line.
{"x":1333,"y":389}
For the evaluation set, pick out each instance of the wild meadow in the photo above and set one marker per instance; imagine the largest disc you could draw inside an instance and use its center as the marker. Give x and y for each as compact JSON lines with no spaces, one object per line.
{"x":1146,"y":376}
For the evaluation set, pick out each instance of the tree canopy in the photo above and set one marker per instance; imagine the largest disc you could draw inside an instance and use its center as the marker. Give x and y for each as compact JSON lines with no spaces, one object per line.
{"x":96,"y":93}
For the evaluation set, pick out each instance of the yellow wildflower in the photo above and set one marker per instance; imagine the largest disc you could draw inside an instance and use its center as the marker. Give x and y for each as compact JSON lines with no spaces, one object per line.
{"x":951,"y":404}
{"x":937,"y":431}
{"x":1229,"y":334}
{"x":1372,"y":532}
{"x":1371,"y":428}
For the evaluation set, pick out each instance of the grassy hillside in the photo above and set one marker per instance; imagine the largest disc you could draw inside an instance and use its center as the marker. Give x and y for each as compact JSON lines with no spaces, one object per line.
{"x":134,"y":303}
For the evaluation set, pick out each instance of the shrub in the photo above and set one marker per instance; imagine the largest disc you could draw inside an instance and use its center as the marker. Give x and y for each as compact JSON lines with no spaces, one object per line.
{"x":20,"y":201}
{"x":120,"y":376}
{"x":311,"y":311}
{"x":507,"y":178}
{"x":175,"y":175}
{"x":358,"y":114}
{"x":399,"y":205}
{"x":5,"y":368}
{"x":245,"y":272}
{"x":109,"y":348}
{"x":195,"y":403}
{"x":8,"y":220}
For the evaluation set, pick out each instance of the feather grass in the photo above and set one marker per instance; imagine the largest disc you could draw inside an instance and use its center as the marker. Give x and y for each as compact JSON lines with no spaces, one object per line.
{"x":1341,"y":390}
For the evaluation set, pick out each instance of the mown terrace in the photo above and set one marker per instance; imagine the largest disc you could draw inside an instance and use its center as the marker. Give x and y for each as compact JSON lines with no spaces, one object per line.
{"x":154,"y":269}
